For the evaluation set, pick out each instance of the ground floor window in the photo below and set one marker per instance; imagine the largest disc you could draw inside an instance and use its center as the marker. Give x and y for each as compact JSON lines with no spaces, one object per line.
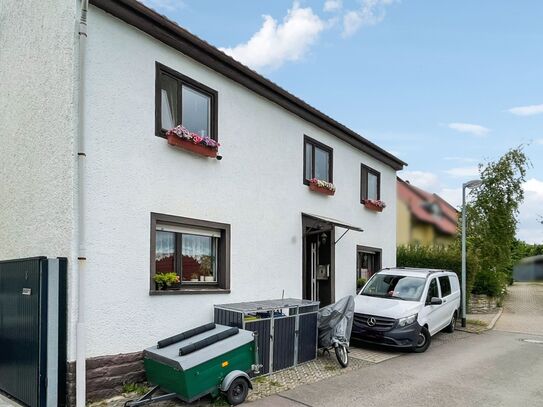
{"x":189,"y":254}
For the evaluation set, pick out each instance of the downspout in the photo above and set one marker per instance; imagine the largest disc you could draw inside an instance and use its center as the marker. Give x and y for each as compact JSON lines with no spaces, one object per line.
{"x":79,"y":264}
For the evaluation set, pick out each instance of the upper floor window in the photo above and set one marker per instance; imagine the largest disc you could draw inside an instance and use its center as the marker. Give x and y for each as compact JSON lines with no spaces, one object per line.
{"x":318,"y":160}
{"x":195,"y":252}
{"x":182,"y":100}
{"x":370,"y":184}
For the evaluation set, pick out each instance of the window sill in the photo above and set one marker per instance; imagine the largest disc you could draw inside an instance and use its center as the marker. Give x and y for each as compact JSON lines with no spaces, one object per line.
{"x":194,"y":290}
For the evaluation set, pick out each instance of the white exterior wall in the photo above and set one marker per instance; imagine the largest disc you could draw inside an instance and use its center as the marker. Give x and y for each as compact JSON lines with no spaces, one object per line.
{"x":38,"y":121}
{"x":257,"y":188}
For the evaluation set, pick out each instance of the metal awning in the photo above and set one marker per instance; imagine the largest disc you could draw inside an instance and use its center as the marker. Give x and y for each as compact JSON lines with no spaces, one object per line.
{"x":334,"y":222}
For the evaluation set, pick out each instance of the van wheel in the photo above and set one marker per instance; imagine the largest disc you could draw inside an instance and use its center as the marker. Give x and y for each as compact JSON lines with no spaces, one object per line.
{"x":452,"y":324}
{"x":423,"y":341}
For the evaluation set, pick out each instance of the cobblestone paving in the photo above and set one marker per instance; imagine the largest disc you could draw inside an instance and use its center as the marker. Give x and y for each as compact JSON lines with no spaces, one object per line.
{"x":324,"y":367}
{"x":523,"y":309}
{"x":6,"y":402}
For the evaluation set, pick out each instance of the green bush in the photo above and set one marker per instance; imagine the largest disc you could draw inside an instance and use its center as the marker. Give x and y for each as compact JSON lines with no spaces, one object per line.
{"x":438,"y":257}
{"x":490,"y":283}
{"x":360,"y":282}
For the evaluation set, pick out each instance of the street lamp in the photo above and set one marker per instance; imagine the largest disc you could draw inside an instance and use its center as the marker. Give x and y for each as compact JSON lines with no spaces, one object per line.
{"x":469,"y":185}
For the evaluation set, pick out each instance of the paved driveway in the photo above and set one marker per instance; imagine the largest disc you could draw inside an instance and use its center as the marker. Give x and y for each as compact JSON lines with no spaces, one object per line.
{"x":497,"y":369}
{"x":523,"y":309}
{"x":503,"y":367}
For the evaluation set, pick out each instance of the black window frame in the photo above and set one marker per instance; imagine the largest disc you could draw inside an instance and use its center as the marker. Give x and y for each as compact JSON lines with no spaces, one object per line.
{"x":222,"y":285}
{"x":191,"y":83}
{"x":443,"y":287}
{"x":364,"y":171}
{"x":314,"y":143}
{"x":428,"y":296}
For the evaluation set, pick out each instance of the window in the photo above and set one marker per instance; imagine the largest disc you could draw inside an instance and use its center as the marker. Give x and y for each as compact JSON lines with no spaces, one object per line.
{"x":370,"y":184}
{"x":392,"y":286}
{"x":181,"y":100}
{"x":318,"y":161}
{"x":445,"y":285}
{"x":197,"y":251}
{"x":432,"y":291}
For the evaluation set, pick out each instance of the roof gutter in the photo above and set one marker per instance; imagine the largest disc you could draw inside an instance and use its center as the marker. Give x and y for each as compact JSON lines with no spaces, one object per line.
{"x":138,"y":15}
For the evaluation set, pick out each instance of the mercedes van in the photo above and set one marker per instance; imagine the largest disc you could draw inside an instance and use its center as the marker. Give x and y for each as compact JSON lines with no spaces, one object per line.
{"x":405,"y":307}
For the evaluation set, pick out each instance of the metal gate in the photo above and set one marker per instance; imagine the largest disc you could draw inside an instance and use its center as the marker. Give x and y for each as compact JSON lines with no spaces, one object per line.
{"x":33,"y":330}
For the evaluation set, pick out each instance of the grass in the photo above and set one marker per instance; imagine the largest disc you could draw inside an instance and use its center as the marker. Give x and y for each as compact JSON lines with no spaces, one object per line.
{"x":219,"y":401}
{"x":330,"y":368}
{"x":476,"y":322}
{"x":138,"y":388}
{"x":275,"y":383}
{"x":260,"y":379}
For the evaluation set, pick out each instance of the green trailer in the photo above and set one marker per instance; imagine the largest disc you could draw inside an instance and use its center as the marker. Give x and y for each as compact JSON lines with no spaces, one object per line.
{"x":206,"y":360}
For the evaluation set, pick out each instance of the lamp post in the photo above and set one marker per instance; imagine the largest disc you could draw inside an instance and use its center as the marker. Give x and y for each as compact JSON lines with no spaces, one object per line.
{"x":471,"y":185}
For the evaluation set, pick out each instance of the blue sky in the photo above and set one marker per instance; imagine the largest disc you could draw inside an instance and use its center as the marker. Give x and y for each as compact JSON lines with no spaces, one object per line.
{"x":442,"y":84}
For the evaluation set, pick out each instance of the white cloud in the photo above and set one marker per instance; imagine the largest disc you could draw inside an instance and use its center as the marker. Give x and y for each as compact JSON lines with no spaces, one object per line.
{"x":164,"y":5}
{"x":371,"y":12}
{"x":527,"y":110}
{"x":276,"y":42}
{"x":530,"y":228}
{"x":460,"y":172}
{"x":539,"y":141}
{"x":452,"y":195}
{"x":461,"y":159}
{"x":422,"y":179}
{"x":474,"y":129}
{"x":332,"y":5}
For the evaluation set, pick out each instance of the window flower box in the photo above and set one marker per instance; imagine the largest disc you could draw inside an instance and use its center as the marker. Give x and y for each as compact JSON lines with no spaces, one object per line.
{"x":322,"y":187}
{"x":180,"y":137}
{"x":374,"y":204}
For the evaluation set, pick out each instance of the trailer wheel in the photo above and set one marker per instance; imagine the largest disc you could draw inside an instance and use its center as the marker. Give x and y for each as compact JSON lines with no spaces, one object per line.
{"x":237,"y":392}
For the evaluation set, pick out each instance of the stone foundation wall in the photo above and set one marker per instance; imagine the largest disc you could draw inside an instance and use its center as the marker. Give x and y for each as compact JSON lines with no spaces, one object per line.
{"x":482,"y":304}
{"x":106,"y":375}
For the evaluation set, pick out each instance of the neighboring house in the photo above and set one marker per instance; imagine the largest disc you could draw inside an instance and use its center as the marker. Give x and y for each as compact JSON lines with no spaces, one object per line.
{"x":529,"y":269}
{"x":424,"y":218}
{"x":246,"y":227}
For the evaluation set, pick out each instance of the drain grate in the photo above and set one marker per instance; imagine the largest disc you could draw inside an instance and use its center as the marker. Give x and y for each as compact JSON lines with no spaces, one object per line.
{"x":537,"y":341}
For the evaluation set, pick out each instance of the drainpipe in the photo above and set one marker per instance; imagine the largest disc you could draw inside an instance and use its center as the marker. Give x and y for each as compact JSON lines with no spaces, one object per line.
{"x":79,"y":243}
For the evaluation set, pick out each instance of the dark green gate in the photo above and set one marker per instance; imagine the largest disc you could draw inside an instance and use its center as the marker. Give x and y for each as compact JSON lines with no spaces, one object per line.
{"x":33,"y":330}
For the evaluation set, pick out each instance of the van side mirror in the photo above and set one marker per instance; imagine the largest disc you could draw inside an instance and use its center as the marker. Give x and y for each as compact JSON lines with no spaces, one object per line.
{"x":436,"y":301}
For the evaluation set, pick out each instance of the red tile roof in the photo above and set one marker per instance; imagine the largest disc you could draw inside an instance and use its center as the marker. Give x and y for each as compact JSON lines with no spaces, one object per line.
{"x":428,"y":207}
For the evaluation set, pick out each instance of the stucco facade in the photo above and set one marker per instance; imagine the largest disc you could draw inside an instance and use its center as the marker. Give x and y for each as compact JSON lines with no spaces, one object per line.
{"x":38,"y":116}
{"x":256,"y":188}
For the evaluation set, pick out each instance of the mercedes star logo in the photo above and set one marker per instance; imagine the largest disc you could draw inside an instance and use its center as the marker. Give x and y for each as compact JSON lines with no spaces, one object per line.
{"x":371,"y":321}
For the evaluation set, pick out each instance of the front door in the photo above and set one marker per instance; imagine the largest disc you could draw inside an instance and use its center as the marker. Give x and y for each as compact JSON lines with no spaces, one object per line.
{"x":318,"y":264}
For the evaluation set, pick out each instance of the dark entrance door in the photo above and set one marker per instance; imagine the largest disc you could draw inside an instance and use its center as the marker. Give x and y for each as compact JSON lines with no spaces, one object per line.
{"x":318,"y":261}
{"x":33,"y":330}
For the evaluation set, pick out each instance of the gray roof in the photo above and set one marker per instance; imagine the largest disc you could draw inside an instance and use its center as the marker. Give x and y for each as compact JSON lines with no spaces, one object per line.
{"x":169,"y":355}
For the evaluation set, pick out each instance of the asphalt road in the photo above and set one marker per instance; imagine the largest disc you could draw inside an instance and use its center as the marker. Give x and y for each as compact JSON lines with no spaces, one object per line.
{"x":495,"y":368}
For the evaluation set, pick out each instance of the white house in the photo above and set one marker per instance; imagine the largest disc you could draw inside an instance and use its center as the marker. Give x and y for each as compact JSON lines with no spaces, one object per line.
{"x":87,"y":174}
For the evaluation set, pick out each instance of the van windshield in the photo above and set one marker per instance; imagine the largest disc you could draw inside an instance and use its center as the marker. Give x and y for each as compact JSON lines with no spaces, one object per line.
{"x":395,"y":287}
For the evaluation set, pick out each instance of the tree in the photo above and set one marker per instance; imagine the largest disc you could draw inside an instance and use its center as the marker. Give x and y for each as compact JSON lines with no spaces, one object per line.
{"x":492,"y":214}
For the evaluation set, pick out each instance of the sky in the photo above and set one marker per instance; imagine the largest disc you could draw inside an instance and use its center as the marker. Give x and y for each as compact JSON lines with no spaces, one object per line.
{"x":444,"y":85}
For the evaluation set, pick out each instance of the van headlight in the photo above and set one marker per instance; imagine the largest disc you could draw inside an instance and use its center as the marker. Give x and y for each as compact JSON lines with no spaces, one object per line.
{"x":407,"y":320}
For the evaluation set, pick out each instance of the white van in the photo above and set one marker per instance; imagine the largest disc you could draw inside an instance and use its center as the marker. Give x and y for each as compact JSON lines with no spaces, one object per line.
{"x":405,"y":307}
